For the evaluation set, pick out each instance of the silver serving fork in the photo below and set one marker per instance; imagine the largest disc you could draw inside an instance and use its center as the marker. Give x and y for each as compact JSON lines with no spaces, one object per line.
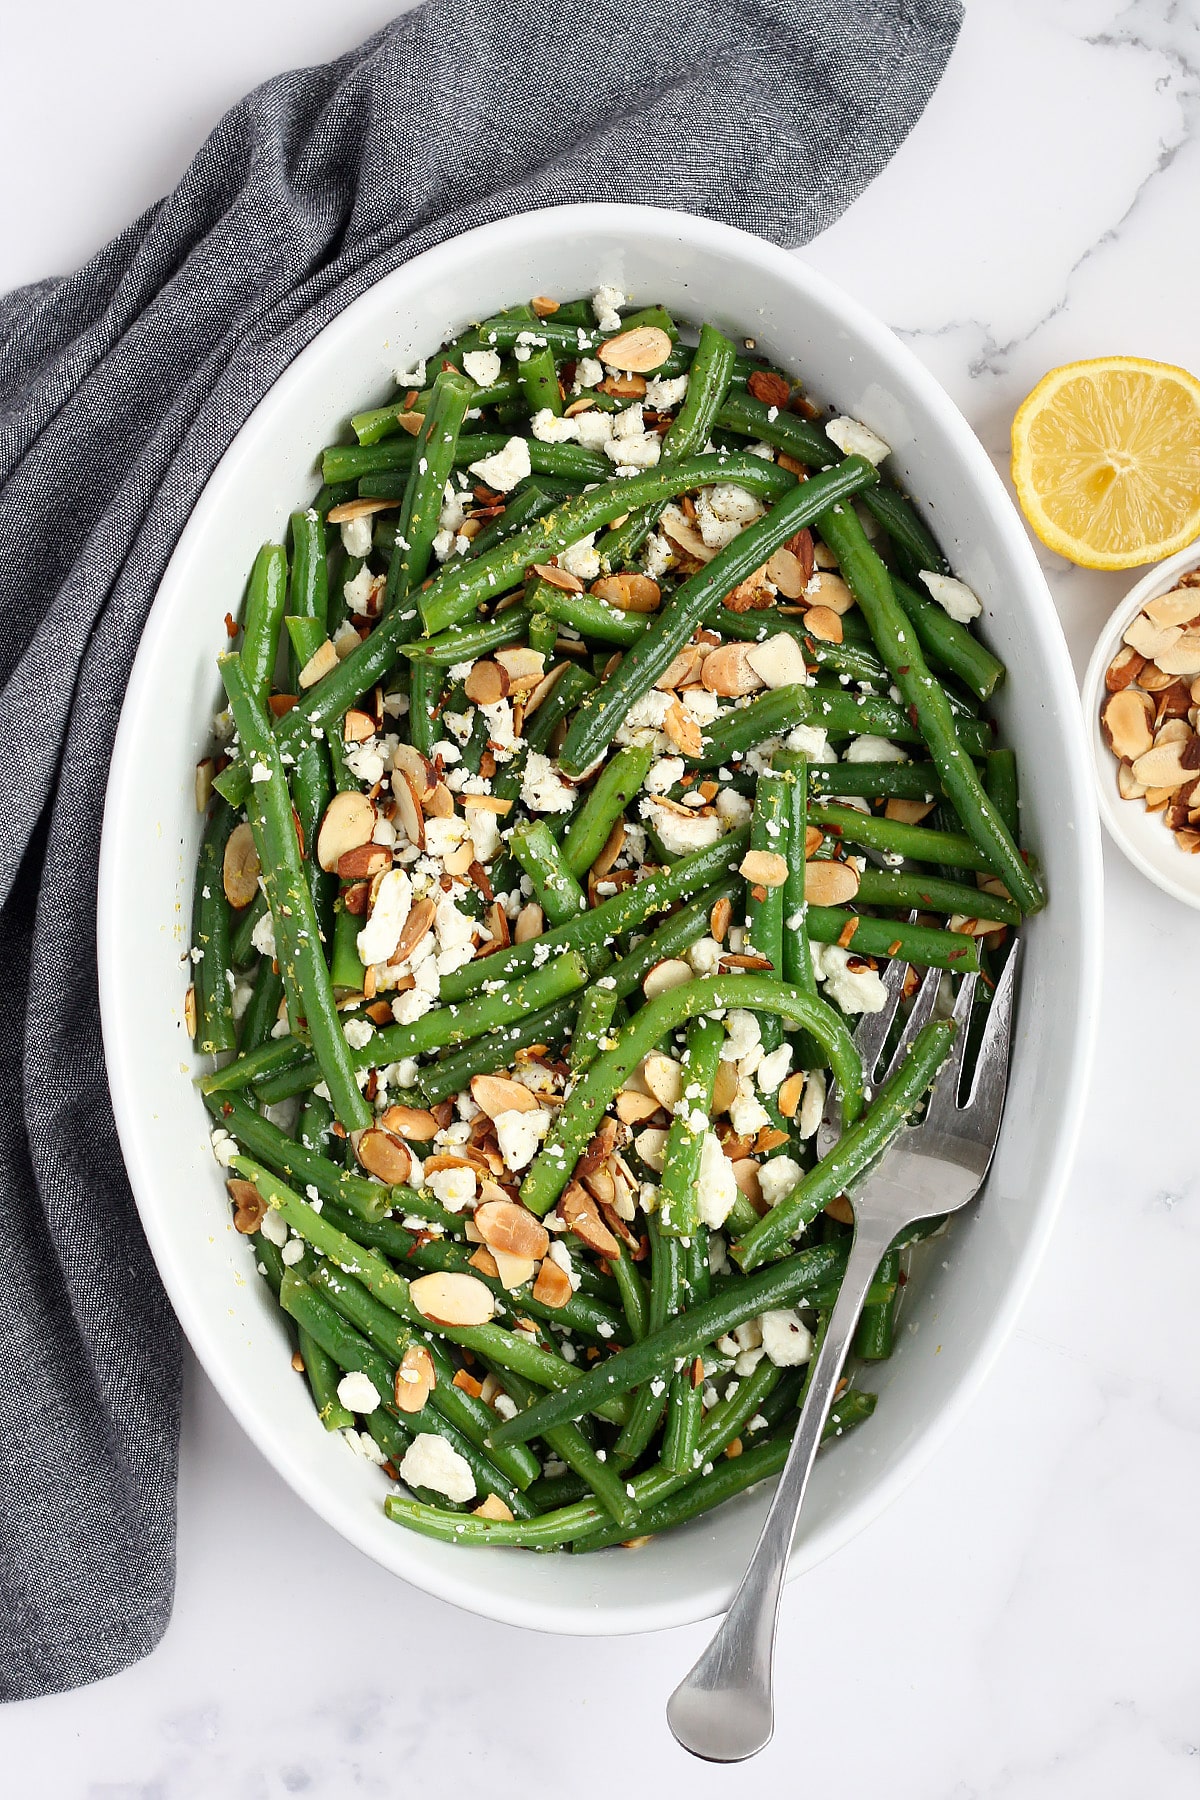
{"x":724,"y":1709}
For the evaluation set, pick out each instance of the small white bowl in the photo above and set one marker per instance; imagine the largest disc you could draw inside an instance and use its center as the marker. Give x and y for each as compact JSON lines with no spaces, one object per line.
{"x":1142,"y":836}
{"x":961,"y":1303}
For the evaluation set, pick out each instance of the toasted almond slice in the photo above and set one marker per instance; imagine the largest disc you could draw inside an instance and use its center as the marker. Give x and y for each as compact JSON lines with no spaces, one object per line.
{"x":240,"y":867}
{"x":189,"y":1011}
{"x":1128,"y":786}
{"x":358,"y":509}
{"x":483,"y":1260}
{"x":638,"y":351}
{"x":683,"y":729}
{"x":779,"y":661}
{"x":412,"y":1123}
{"x":730,"y":673}
{"x":544,"y":308}
{"x":458,"y":860}
{"x":1188,"y":840}
{"x":663,"y":1077}
{"x":788,"y":573}
{"x":908,"y":812}
{"x":612,"y":847}
{"x":632,"y":1108}
{"x":683,"y":669}
{"x":829,"y":883}
{"x":524,"y":667}
{"x":322,"y":662}
{"x":1125,"y":667}
{"x":745,"y":1173}
{"x":824,"y":624}
{"x":409,"y":814}
{"x":789,"y":1094}
{"x":765,"y":868}
{"x":1149,"y":639}
{"x":719,"y":917}
{"x":623,"y":387}
{"x":486,"y":684}
{"x":497,"y":1094}
{"x":513,"y":1271}
{"x":250,"y":1206}
{"x":363,"y":862}
{"x":449,"y":1297}
{"x":1183,"y":656}
{"x":1164,"y":766}
{"x":384,"y":1155}
{"x":582,"y":1216}
{"x":1153,"y":679}
{"x":415,"y":1380}
{"x":419,"y":770}
{"x":1158,"y":798}
{"x":1126,"y":718}
{"x":416,"y":926}
{"x":493,"y":1507}
{"x":1172,"y":731}
{"x":630,"y":593}
{"x":530,"y":923}
{"x":206,"y":770}
{"x":829,"y":591}
{"x":558,"y":578}
{"x":553,"y":1285}
{"x":672,"y":972}
{"x":724,"y":1088}
{"x":1179,"y":607}
{"x":814,"y":837}
{"x":438,"y":801}
{"x":357,"y":726}
{"x":349,"y":821}
{"x":685,"y":537}
{"x":511,"y":1230}
{"x":412,"y":422}
{"x":585,"y":403}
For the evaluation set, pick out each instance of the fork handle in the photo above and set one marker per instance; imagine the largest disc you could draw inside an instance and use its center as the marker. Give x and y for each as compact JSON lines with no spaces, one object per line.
{"x":724,"y":1709}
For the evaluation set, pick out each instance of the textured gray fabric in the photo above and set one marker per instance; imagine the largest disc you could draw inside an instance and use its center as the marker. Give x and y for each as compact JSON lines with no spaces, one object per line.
{"x":120,"y":387}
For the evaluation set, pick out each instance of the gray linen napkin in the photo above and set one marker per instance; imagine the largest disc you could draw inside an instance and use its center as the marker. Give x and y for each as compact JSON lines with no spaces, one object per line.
{"x":120,"y":387}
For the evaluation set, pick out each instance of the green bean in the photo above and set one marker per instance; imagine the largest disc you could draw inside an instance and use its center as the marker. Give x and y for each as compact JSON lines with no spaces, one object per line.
{"x":346,"y":969}
{"x":650,"y":1397}
{"x":782,"y":1284}
{"x":593,"y":1021}
{"x":678,"y":1212}
{"x":462,"y":646}
{"x":1000,"y":780}
{"x":874,"y":780}
{"x":289,"y":1157}
{"x":930,"y":893}
{"x":604,"y":709}
{"x":241,"y":946}
{"x":433,"y":458}
{"x":551,"y":1170}
{"x":733,"y":733}
{"x":266,"y":1059}
{"x":297,"y":933}
{"x":539,"y":382}
{"x":568,"y":1443}
{"x":895,"y":640}
{"x":923,"y":945}
{"x":384,"y":421}
{"x":591,"y":616}
{"x":308,"y":591}
{"x":211,"y":933}
{"x":322,"y":1375}
{"x":673,"y":938}
{"x":387,"y":479}
{"x":315,"y":1128}
{"x":312,"y":790}
{"x":708,"y":383}
{"x":531,"y":500}
{"x":466,"y":1412}
{"x":857,"y":1148}
{"x":614,"y":788}
{"x":558,"y":892}
{"x":949,"y":643}
{"x":504,"y":330}
{"x":797,"y":954}
{"x":920,"y":843}
{"x":425,"y":682}
{"x":873,"y":1338}
{"x":634,"y":1298}
{"x":266,"y":599}
{"x":262,"y":1014}
{"x":452,"y":1074}
{"x":850,"y":659}
{"x":843,"y":714}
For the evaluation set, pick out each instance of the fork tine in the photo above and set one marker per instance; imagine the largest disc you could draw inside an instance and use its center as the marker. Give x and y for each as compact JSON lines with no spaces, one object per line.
{"x":944,"y":1099}
{"x":922,"y":1007}
{"x":986,"y":1101}
{"x":871,"y":1033}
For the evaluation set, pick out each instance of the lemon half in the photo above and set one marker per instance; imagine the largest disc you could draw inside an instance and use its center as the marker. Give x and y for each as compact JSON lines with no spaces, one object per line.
{"x":1106,"y":461}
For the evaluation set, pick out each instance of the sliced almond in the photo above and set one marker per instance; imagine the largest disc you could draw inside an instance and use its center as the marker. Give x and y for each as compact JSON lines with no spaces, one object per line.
{"x":779,"y":661}
{"x":633,"y":1108}
{"x":240,"y":867}
{"x":524,"y":667}
{"x":1179,"y":607}
{"x":412,"y":1123}
{"x":486,"y":684}
{"x":814,"y":837}
{"x":493,"y":1507}
{"x":493,"y":803}
{"x":612,"y":847}
{"x":829,"y":591}
{"x":1125,"y":667}
{"x":630,"y":593}
{"x":543,"y":688}
{"x":1154,"y":679}
{"x":839,"y":1208}
{"x":765,"y":868}
{"x":1149,"y":639}
{"x":1172,"y":731}
{"x":788,"y":574}
{"x":824,"y":624}
{"x":553,"y":1285}
{"x":555,"y":577}
{"x":482,"y":1258}
{"x":358,"y":509}
{"x":623,"y":387}
{"x":719,"y":917}
{"x":357,"y":726}
{"x":544,"y":308}
{"x":1188,"y":840}
{"x":683,"y":669}
{"x":725,"y":1088}
{"x":415,"y":1380}
{"x":651,"y":1146}
{"x":582,"y":1216}
{"x":1128,"y":785}
{"x":415,"y":928}
{"x":685,"y":537}
{"x":830,"y":883}
{"x":363,"y":862}
{"x":457,"y":861}
{"x":250,"y":1207}
{"x":206,"y":770}
{"x":419,"y":770}
{"x":322,"y":662}
{"x":530,"y":923}
{"x":449,"y":1297}
{"x":638,"y":351}
{"x":788,"y":1099}
{"x":497,"y":1094}
{"x":384,"y":1155}
{"x":745,"y":1173}
{"x":410,"y":815}
{"x":349,"y":821}
{"x":908,"y":812}
{"x":511,"y":1230}
{"x":1164,"y":766}
{"x":729,"y":672}
{"x":672,"y":972}
{"x":189,"y":1011}
{"x":513,"y":1271}
{"x":683,"y":729}
{"x":1183,"y":656}
{"x":1127,"y":717}
{"x":663,"y":1076}
{"x":754,"y":594}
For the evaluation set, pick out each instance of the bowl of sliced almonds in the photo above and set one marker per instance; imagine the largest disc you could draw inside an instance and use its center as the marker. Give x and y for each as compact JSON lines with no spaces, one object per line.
{"x":1141,"y":699}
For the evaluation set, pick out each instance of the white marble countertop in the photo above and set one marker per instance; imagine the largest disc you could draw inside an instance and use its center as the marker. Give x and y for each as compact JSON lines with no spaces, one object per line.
{"x":1021,"y":1624}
